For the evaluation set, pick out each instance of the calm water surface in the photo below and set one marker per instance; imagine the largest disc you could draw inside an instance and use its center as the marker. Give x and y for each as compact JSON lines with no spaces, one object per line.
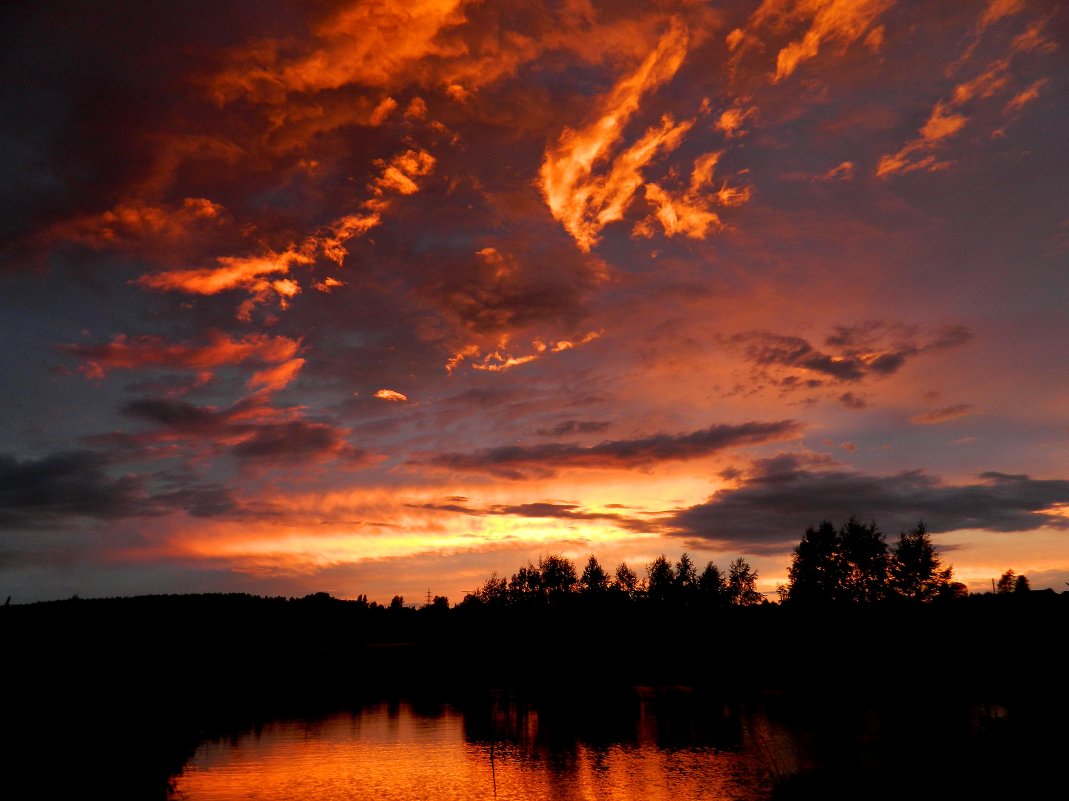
{"x":389,"y":752}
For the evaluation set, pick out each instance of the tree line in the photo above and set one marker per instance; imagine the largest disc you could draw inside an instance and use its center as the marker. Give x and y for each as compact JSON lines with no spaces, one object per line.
{"x":555,"y":578}
{"x":853,"y":563}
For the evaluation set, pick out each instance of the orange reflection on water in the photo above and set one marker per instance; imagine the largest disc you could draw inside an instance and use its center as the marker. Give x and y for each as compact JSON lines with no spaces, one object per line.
{"x":392,"y":753}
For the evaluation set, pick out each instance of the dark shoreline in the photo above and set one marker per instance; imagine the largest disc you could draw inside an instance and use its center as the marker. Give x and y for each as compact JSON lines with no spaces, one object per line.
{"x":118,"y":693}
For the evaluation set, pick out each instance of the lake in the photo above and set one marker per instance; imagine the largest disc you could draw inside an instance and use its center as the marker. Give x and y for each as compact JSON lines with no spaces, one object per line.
{"x":648,"y":746}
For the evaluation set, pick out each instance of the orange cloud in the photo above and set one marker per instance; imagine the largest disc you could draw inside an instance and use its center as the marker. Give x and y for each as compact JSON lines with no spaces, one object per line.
{"x":997,"y":9}
{"x":690,"y":213}
{"x":399,"y":174}
{"x":382,"y":111}
{"x":274,"y":379}
{"x":944,"y":120}
{"x":731,"y":121}
{"x":834,"y":22}
{"x":328,"y":284}
{"x":332,"y":242}
{"x":941,"y":124}
{"x":371,"y":44}
{"x":985,"y":84}
{"x":128,"y":353}
{"x":417,"y":109}
{"x":678,"y":215}
{"x":391,"y":395}
{"x":1022,"y":99}
{"x":500,"y":359}
{"x":917,"y":154}
{"x":583,"y":201}
{"x":135,"y":223}
{"x":844,"y":172}
{"x":992,"y":13}
{"x":830,"y":22}
{"x":250,"y":272}
{"x":233,"y":273}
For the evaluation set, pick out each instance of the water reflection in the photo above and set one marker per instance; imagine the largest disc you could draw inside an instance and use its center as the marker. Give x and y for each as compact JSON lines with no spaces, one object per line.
{"x":674,"y":747}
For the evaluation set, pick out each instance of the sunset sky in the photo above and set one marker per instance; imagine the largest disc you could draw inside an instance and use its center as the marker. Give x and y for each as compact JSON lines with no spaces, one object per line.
{"x":380,"y":297}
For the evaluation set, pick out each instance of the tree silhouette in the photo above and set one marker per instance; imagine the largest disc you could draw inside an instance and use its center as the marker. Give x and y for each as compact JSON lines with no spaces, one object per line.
{"x":854,"y":564}
{"x":1006,"y":583}
{"x":558,"y":576}
{"x":916,"y":570}
{"x":868,"y":563}
{"x":493,"y":592}
{"x":626,"y":580}
{"x":660,"y":579}
{"x":818,"y":572}
{"x":1022,"y":584}
{"x":713,"y":586}
{"x":686,"y":579}
{"x":686,"y":573}
{"x":525,"y":586}
{"x":742,"y":584}
{"x":594,"y":578}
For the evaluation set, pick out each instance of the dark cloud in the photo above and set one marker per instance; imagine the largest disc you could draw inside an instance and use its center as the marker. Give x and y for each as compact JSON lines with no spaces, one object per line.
{"x":297,"y":440}
{"x":266,"y":442}
{"x":449,"y":507}
{"x":781,"y":497}
{"x":852,"y":401}
{"x":545,"y":509}
{"x":574,"y":427}
{"x":34,"y":492}
{"x":81,"y":126}
{"x":523,"y":461}
{"x":855,"y":352}
{"x":61,"y":487}
{"x":175,"y":414}
{"x":766,"y":348}
{"x":167,"y":383}
{"x":200,"y":500}
{"x":571,"y":511}
{"x":492,"y":290}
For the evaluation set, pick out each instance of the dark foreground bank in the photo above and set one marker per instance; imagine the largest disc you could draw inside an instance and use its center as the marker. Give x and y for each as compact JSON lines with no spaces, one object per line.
{"x":963,"y":699}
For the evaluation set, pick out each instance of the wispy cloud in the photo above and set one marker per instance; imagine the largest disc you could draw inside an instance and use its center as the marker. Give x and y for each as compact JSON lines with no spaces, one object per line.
{"x":132,"y":353}
{"x":944,"y":415}
{"x":854,"y":352}
{"x":584,"y":184}
{"x":947,"y":117}
{"x":356,"y":44}
{"x":816,"y":24}
{"x":519,"y":462}
{"x":568,"y":427}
